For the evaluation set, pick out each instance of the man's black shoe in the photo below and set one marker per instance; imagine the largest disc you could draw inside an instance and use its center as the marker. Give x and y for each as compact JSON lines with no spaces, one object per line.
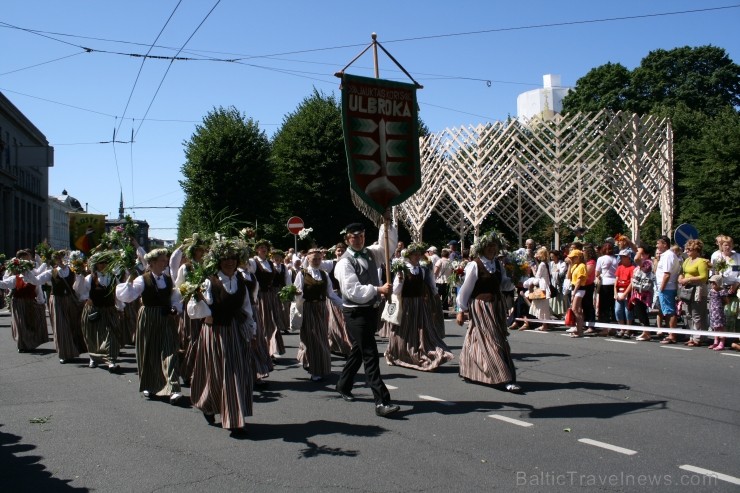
{"x":386,"y":409}
{"x":347,"y":396}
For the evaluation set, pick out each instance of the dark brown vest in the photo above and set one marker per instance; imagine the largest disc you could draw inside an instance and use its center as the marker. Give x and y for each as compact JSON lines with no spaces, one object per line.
{"x":227,"y":307}
{"x":314,"y":290}
{"x":152,"y":295}
{"x":487,"y":283}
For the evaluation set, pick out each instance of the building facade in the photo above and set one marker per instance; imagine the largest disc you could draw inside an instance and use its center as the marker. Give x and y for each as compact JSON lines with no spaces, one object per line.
{"x":59,"y":208}
{"x":25,"y":158}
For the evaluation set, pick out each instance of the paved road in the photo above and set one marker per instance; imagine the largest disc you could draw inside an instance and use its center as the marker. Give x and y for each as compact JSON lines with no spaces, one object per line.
{"x":597,"y":414}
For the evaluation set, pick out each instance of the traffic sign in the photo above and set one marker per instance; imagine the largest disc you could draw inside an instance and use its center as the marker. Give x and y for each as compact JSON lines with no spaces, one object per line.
{"x":684,"y":233}
{"x":295,"y":225}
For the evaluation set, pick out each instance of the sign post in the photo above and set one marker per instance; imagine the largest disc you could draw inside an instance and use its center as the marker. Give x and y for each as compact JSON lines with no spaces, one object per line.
{"x":295,"y":226}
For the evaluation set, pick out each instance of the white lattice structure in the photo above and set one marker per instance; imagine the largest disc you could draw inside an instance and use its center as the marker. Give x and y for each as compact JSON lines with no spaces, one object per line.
{"x":571,"y":169}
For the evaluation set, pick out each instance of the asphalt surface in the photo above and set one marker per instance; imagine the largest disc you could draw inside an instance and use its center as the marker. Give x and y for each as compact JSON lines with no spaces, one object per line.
{"x":669,"y":418}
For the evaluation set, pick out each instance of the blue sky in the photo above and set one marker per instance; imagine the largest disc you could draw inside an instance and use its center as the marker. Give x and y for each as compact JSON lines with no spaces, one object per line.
{"x":285,"y":50}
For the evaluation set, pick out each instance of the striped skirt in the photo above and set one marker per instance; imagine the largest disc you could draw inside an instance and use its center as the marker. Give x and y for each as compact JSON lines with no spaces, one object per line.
{"x":222,"y":375}
{"x":339,"y":340}
{"x":270,"y":314}
{"x":415,"y":343}
{"x":261,"y":361}
{"x":28,"y":323}
{"x":65,"y":314}
{"x":189,"y":332}
{"x":156,"y":351}
{"x":486,"y":356}
{"x":103,"y":336}
{"x":130,"y":313}
{"x":313,"y":350}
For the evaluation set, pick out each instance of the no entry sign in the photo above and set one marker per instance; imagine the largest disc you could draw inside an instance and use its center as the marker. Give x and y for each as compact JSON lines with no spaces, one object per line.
{"x":295,"y":225}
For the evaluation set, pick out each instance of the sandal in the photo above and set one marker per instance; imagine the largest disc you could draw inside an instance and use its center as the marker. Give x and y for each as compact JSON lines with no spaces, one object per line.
{"x":719,"y":347}
{"x":692,"y":344}
{"x":576,"y":335}
{"x":668,"y":341}
{"x":712,"y":346}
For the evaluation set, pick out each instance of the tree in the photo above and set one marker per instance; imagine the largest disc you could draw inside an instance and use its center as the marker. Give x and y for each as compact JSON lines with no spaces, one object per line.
{"x":311,"y":169}
{"x":604,"y":87}
{"x":227,"y":177}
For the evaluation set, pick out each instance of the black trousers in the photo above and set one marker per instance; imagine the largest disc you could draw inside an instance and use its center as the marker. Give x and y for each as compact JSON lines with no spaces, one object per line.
{"x":361,"y":324}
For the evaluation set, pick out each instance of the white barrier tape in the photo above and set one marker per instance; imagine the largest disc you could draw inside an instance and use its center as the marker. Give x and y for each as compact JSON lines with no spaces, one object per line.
{"x":667,"y":330}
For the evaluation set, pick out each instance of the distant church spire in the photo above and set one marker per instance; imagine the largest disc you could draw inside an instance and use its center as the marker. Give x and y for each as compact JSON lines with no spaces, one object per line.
{"x":120,"y":207}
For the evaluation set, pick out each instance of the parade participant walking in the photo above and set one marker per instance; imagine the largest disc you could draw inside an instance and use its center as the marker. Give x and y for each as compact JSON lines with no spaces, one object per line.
{"x":269,"y":307}
{"x":64,"y":309}
{"x":415,"y":343}
{"x":27,"y":306}
{"x":101,"y":321}
{"x":314,"y":289}
{"x":339,"y":341}
{"x":188,"y":328}
{"x":486,"y":355}
{"x":357,"y":273}
{"x":260,"y":351}
{"x":156,"y":327}
{"x":222,"y":377}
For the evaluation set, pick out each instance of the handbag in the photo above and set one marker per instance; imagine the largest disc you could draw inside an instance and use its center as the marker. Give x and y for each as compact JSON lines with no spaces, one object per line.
{"x":570,"y":318}
{"x":686,"y":293}
{"x":393,"y":310}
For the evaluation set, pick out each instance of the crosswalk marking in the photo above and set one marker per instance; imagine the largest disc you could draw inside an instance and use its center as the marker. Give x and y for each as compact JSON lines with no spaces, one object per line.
{"x":510,"y":420}
{"x":607,"y":446}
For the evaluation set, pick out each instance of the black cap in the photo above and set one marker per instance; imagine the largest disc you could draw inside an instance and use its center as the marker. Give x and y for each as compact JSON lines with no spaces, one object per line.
{"x":354,"y":228}
{"x":453,"y":242}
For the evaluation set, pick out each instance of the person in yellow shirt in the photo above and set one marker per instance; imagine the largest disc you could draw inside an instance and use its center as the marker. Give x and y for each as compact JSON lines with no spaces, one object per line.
{"x":578,"y":282}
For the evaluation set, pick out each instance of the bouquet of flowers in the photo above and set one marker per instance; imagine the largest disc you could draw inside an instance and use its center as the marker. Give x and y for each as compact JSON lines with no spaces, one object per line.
{"x":720,"y":265}
{"x":46,"y":252}
{"x":16,"y":266}
{"x":517,"y":266}
{"x":398,"y":265}
{"x":194,"y":277}
{"x":77,"y":262}
{"x":305,"y":233}
{"x":287,"y":293}
{"x":458,"y":272}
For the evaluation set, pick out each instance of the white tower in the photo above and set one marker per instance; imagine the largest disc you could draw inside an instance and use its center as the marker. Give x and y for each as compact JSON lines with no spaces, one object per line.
{"x":543,"y":103}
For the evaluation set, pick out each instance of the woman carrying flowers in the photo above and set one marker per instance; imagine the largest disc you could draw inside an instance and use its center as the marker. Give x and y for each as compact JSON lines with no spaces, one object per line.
{"x":726,"y":262}
{"x":269,"y":307}
{"x":156,"y":327}
{"x":101,"y":322}
{"x":415,"y":343}
{"x":486,"y":355}
{"x":222,"y":376}
{"x":27,"y":307}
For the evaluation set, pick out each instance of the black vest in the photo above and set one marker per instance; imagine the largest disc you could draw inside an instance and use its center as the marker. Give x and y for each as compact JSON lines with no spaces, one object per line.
{"x":314,"y":290}
{"x":487,"y":283}
{"x":365,"y":276}
{"x":227,"y":307}
{"x":102,"y":295}
{"x":152,"y":295}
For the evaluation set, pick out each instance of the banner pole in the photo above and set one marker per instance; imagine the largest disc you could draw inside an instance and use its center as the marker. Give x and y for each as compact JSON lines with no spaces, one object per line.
{"x":386,"y":220}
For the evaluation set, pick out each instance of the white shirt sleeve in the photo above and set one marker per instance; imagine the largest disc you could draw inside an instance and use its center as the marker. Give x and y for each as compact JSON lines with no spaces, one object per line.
{"x":471,"y":277}
{"x":129,"y":291}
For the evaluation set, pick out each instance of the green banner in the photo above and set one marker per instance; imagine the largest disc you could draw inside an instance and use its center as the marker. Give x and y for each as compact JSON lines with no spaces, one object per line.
{"x":381,"y":138}
{"x":85,"y":230}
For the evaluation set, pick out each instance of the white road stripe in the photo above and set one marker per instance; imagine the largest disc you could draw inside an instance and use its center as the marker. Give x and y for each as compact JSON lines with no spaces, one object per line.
{"x":510,"y":420}
{"x":670,"y":346}
{"x":731,"y":354}
{"x":607,"y":446}
{"x":712,"y":474}
{"x":391,"y":387}
{"x":623,"y":342}
{"x":436,"y":399}
{"x":537,"y":331}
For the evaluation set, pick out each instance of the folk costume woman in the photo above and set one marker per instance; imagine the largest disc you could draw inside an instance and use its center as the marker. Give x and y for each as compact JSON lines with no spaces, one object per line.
{"x":27,"y":306}
{"x":156,"y":327}
{"x":101,"y":321}
{"x":486,"y":355}
{"x":339,"y":341}
{"x":65,"y":310}
{"x":415,"y":343}
{"x":188,"y":328}
{"x":222,"y":377}
{"x":283,"y":277}
{"x":260,"y":351}
{"x":314,"y":288}
{"x":269,"y":306}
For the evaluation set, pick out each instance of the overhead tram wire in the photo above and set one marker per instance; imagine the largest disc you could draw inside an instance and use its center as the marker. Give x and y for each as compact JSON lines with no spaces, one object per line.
{"x":143,"y":60}
{"x":170,"y":65}
{"x":43,"y":63}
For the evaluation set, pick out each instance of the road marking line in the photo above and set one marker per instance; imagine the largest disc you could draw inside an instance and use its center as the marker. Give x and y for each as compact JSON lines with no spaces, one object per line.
{"x":677,"y":348}
{"x":536,"y":331}
{"x":436,"y":399}
{"x":391,"y":387}
{"x":607,"y":446}
{"x":731,"y":354}
{"x":712,"y":474}
{"x":510,"y":420}
{"x":623,"y":342}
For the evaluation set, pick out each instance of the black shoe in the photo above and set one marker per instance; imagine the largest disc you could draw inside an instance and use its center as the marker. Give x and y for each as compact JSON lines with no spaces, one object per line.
{"x":261,"y":384}
{"x":347,"y":396}
{"x":211,"y":418}
{"x":386,"y":409}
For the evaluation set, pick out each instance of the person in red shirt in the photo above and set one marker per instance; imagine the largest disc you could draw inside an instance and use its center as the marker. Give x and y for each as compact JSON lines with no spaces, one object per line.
{"x":623,"y":291}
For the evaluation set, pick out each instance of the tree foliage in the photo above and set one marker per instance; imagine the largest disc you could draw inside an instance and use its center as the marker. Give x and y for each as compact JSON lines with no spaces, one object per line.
{"x":226,"y":173}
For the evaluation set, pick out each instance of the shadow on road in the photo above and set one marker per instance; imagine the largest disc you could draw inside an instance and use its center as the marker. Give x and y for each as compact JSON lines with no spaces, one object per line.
{"x":302,"y":432}
{"x":530,"y":387}
{"x":536,"y":356}
{"x":26,"y":472}
{"x":602,"y":410}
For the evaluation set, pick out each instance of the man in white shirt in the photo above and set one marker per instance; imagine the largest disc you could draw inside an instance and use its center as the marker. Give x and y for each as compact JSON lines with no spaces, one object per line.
{"x":357,"y":273}
{"x":666,"y":276}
